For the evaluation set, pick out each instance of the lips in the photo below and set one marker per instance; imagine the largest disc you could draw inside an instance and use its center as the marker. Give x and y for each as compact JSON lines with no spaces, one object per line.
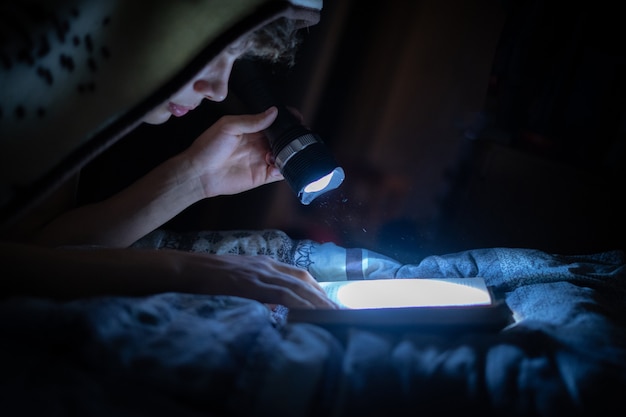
{"x":178,"y":110}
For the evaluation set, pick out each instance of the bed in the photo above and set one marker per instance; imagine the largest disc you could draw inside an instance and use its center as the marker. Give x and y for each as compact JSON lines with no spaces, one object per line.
{"x":185,"y":355}
{"x":190,"y":355}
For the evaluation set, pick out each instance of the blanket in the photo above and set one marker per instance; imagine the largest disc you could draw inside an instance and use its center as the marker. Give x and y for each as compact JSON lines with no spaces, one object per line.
{"x":191,"y":355}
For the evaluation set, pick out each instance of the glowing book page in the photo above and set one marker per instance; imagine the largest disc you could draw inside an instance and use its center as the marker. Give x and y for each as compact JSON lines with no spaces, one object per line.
{"x":430,"y":304}
{"x":413,"y":292}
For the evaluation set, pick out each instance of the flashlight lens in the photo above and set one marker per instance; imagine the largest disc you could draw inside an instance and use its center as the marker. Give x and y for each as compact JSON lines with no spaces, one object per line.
{"x":326,"y":183}
{"x":318,"y":185}
{"x":309,"y":168}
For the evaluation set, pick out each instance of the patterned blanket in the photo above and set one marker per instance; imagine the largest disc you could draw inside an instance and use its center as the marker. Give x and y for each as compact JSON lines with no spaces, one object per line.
{"x":191,"y":355}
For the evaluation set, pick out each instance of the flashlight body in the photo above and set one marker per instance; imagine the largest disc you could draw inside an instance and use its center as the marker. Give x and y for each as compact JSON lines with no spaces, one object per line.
{"x":300,"y":154}
{"x":252,"y":88}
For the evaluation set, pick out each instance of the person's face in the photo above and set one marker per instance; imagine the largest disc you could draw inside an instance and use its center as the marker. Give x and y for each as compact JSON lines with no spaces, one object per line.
{"x":210,"y":83}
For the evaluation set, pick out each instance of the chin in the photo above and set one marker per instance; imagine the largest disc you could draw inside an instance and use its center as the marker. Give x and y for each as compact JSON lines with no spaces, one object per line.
{"x":157,"y":117}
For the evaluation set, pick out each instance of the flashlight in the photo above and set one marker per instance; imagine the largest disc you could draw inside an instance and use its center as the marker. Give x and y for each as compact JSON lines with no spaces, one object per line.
{"x":301,"y":156}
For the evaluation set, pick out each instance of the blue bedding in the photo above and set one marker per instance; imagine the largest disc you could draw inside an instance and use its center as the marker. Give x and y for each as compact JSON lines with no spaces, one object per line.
{"x":190,"y":355}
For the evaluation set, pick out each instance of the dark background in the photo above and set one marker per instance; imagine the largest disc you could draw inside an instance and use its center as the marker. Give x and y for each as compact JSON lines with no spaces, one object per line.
{"x":460,"y":125}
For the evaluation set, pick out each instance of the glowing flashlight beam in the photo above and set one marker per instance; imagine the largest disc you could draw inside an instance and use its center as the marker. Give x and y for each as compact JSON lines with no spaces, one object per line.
{"x":319,"y":185}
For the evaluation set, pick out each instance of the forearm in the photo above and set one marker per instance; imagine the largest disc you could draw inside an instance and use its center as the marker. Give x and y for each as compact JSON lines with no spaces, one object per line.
{"x":71,"y":273}
{"x":132,"y":213}
{"x":230,"y":157}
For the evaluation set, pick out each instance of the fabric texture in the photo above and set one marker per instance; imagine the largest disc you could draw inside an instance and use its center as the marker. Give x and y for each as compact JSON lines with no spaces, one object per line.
{"x":215,"y":355}
{"x":77,"y":75}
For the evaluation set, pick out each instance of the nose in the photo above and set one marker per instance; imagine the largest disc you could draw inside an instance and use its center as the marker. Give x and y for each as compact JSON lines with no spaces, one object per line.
{"x":213,"y":83}
{"x":213,"y":89}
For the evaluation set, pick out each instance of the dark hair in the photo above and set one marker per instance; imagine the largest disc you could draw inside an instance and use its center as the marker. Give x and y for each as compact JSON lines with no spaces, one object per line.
{"x":276,"y":42}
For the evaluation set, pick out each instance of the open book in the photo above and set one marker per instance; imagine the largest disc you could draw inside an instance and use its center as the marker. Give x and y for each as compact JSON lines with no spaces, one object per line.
{"x":433,"y":302}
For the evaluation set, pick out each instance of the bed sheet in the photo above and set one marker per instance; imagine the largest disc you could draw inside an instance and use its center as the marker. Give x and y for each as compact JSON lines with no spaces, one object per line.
{"x":190,"y":355}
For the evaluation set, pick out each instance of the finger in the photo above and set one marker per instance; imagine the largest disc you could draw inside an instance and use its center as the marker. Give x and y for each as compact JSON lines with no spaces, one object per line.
{"x":319,"y":300}
{"x":308,"y":290}
{"x":273,"y":174}
{"x":250,"y":123}
{"x":301,"y":274}
{"x":273,"y":295}
{"x":296,"y":298}
{"x":294,"y":294}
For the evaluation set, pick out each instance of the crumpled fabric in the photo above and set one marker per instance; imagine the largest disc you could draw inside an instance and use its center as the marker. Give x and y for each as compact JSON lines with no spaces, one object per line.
{"x":190,"y":355}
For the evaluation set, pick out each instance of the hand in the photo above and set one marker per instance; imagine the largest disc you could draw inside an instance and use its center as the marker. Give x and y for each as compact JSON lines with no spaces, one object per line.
{"x":233,"y":155}
{"x":256,"y":277}
{"x":81,"y":272}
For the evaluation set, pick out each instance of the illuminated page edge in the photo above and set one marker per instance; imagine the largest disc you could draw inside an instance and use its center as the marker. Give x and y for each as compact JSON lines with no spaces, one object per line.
{"x":491,"y":316}
{"x":409,"y":292}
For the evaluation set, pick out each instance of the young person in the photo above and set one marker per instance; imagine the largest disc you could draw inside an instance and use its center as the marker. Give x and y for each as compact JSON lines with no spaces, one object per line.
{"x":83,"y":251}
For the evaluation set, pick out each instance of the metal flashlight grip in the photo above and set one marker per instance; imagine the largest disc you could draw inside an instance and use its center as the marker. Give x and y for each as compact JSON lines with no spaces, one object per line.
{"x":301,"y":155}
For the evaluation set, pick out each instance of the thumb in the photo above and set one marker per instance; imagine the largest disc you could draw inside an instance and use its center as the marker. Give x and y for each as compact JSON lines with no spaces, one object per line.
{"x":251,"y":123}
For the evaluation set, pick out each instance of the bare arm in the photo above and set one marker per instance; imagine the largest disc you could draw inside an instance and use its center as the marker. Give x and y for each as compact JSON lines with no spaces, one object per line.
{"x":69,"y":273}
{"x":130,"y":214}
{"x":230,"y":157}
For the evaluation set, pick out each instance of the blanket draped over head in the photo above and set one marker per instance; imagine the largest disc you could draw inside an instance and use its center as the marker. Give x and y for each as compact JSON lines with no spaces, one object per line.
{"x":76,"y":75}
